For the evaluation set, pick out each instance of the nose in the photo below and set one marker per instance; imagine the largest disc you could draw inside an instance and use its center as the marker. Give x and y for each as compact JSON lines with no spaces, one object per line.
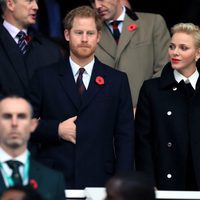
{"x":97,"y":4}
{"x":14,"y":121}
{"x":35,"y":5}
{"x":84,"y":37}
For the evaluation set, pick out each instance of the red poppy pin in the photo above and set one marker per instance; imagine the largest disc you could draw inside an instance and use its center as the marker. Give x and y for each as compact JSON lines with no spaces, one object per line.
{"x":132,"y":27}
{"x":28,"y":38}
{"x":34,"y":184}
{"x":99,"y":80}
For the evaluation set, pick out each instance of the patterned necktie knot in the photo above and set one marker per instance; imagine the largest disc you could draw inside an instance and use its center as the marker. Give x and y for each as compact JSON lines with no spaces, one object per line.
{"x":80,"y":85}
{"x":22,"y":43}
{"x":116,"y":32}
{"x":14,"y":165}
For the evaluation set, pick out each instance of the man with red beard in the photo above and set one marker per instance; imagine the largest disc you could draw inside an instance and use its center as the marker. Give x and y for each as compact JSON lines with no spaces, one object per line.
{"x":85,"y":109}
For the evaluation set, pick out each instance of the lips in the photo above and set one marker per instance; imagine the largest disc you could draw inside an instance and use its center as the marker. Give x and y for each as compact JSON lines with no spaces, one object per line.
{"x":175,"y":61}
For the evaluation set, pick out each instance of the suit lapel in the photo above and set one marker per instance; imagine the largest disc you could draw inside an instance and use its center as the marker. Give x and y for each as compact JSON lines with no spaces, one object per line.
{"x":68,"y":83}
{"x":2,"y":184}
{"x":107,"y":42}
{"x":94,"y":88}
{"x":14,"y":55}
{"x":125,"y":37}
{"x":34,"y":173}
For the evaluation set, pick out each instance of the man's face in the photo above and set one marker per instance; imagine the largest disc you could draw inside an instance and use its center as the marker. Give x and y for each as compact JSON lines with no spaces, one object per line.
{"x":83,"y":38}
{"x":23,"y":12}
{"x":108,"y":9}
{"x":16,"y":124}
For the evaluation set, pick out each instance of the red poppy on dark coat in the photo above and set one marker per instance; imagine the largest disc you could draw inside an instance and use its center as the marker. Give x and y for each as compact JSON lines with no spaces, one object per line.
{"x":99,"y":80}
{"x":33,"y":184}
{"x":28,"y":38}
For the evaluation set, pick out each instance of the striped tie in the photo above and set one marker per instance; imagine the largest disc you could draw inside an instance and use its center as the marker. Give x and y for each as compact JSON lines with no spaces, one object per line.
{"x":22,"y":43}
{"x":79,"y":82}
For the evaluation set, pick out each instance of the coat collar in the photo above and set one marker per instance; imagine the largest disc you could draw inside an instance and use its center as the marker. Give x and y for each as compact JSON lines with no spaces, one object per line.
{"x":167,"y":77}
{"x":69,"y":85}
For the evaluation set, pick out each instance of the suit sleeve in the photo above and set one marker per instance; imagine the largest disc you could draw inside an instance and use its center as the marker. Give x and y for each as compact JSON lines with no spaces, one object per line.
{"x":161,"y":39}
{"x":47,"y":130}
{"x":124,"y":134}
{"x":143,"y":134}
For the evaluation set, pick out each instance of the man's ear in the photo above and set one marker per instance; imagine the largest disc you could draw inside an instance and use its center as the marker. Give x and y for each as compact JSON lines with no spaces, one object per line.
{"x":99,"y":36}
{"x":66,"y":34}
{"x":34,"y":124}
{"x":10,"y":5}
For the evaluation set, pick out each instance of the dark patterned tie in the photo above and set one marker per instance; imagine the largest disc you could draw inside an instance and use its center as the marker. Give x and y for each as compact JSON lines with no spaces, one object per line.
{"x":79,"y":82}
{"x":14,"y":165}
{"x":116,"y":33}
{"x":22,"y":43}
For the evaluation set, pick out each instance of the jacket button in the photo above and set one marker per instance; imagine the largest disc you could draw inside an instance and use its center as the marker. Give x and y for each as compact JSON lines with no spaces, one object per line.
{"x":169,"y":113}
{"x":174,"y":88}
{"x":169,"y":176}
{"x":169,"y":144}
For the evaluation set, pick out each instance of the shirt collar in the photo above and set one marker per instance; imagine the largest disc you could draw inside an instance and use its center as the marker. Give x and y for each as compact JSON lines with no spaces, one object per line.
{"x":75,"y":67}
{"x":12,"y":29}
{"x":192,"y":79}
{"x":121,"y":17}
{"x":4,"y":156}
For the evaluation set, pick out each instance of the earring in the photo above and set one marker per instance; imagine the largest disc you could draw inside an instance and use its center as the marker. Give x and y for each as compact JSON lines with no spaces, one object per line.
{"x":196,"y":59}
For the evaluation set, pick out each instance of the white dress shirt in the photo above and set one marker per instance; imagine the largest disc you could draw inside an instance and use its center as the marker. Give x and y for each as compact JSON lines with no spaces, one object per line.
{"x":5,"y":169}
{"x":13,"y":30}
{"x":120,"y":18}
{"x":192,"y":79}
{"x":87,"y":73}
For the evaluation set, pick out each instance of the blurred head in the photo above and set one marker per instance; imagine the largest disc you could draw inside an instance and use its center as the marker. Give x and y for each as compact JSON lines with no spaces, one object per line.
{"x":184,"y":49}
{"x":16,"y":124}
{"x":20,"y":193}
{"x":20,"y":13}
{"x":108,"y":9}
{"x":82,"y":29}
{"x":129,"y":187}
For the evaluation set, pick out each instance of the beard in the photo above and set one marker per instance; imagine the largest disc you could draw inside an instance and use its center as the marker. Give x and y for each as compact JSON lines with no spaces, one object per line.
{"x":82,"y":51}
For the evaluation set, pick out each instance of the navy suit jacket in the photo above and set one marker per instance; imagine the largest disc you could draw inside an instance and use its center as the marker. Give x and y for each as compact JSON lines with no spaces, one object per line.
{"x":16,"y":70}
{"x":50,"y":183}
{"x":105,"y":123}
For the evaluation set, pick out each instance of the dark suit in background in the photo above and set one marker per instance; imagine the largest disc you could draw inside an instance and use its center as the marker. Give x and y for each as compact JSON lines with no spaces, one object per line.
{"x":104,"y":133}
{"x":16,"y":70}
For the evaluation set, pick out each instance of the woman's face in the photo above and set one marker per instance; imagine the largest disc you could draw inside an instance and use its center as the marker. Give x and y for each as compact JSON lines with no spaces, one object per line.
{"x":183,"y":53}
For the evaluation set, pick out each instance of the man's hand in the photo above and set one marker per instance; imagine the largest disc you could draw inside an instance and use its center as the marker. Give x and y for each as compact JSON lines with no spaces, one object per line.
{"x":67,"y":130}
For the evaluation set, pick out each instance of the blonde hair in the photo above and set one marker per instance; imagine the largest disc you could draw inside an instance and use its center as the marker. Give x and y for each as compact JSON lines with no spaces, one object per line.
{"x":189,"y":29}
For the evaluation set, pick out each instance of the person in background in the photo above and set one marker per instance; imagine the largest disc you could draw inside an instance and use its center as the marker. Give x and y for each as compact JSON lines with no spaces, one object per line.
{"x":86,"y":126}
{"x":22,"y":49}
{"x":167,"y":116}
{"x":129,"y":186}
{"x":132,"y":42}
{"x":20,"y":193}
{"x":17,"y":167}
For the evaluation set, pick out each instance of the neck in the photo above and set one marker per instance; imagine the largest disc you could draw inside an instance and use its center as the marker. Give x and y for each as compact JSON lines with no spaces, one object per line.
{"x":82,"y":61}
{"x":187,"y":73}
{"x":13,"y":152}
